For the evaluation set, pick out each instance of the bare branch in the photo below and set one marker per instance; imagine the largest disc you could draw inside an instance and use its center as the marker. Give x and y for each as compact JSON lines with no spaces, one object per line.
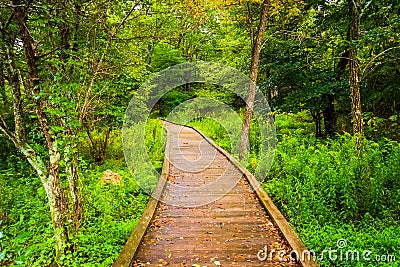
{"x":379,"y":64}
{"x":373,"y":59}
{"x":48,"y":53}
{"x":4,"y":128}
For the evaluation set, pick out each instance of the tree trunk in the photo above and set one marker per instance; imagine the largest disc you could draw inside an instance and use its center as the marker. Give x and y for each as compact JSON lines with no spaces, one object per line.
{"x":71,"y":169}
{"x":56,"y":198}
{"x":98,"y":147}
{"x":6,"y":105}
{"x":329,"y":114}
{"x":256,"y":49}
{"x":19,"y":126}
{"x":316,"y":115}
{"x":357,"y":120}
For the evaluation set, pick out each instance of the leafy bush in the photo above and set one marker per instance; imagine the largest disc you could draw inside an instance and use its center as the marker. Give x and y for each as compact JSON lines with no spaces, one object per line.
{"x":330,"y":179}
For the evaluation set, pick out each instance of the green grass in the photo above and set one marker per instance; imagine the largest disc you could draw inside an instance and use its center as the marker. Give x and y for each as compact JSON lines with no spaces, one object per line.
{"x":213,"y":130}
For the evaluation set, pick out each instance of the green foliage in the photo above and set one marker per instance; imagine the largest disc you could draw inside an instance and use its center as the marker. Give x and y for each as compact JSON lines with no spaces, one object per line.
{"x":329,"y":191}
{"x":170,"y":100}
{"x":331,"y":179}
{"x":176,"y":96}
{"x":304,"y":62}
{"x":155,"y":139}
{"x":325,"y":188}
{"x":111,"y":212}
{"x":289,"y":123}
{"x":164,"y":56}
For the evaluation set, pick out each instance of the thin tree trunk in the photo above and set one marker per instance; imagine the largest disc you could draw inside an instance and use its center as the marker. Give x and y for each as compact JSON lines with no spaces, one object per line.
{"x":105,"y":145}
{"x":357,"y":120}
{"x":98,"y":147}
{"x":6,"y":105}
{"x":19,"y":126}
{"x":316,"y":115}
{"x":55,"y":195}
{"x":256,"y":49}
{"x":329,"y":114}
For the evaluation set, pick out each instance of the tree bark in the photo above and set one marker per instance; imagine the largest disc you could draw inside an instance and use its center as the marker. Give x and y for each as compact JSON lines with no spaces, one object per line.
{"x":71,"y":170}
{"x":355,"y":97}
{"x":256,"y":49}
{"x":316,"y":115}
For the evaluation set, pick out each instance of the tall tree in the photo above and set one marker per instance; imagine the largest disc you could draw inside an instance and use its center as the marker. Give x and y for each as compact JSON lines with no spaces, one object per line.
{"x":255,"y":57}
{"x":354,"y":36}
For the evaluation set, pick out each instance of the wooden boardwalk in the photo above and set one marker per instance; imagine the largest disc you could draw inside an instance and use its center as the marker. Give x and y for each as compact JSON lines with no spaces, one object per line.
{"x":208,"y":214}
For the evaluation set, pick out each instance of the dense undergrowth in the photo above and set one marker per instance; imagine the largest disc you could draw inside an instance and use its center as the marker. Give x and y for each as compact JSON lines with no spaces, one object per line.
{"x":332,"y":194}
{"x":329,"y":192}
{"x":110,"y":211}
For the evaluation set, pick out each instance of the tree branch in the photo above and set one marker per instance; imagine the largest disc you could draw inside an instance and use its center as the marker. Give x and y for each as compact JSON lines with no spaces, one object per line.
{"x":4,"y":128}
{"x":372,"y":60}
{"x":99,"y":64}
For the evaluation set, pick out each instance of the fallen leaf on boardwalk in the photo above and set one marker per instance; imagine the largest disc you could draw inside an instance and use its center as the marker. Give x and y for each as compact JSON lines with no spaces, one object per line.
{"x":163,"y":262}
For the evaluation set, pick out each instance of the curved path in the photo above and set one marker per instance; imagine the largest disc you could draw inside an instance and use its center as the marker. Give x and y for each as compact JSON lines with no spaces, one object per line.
{"x":208,"y":214}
